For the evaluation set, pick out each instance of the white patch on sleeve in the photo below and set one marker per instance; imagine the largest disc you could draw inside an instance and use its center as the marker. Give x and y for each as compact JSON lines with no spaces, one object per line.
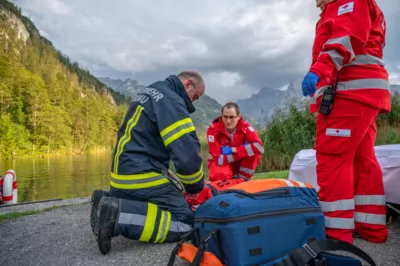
{"x":346,"y":8}
{"x":338,"y":132}
{"x":211,"y":138}
{"x":251,"y":128}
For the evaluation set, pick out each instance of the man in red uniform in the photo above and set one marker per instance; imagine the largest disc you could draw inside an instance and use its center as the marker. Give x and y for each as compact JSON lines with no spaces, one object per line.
{"x":236,"y":151}
{"x":350,"y":37}
{"x":233,"y":143}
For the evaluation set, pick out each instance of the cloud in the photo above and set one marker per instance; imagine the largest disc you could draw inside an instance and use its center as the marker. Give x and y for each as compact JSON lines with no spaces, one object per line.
{"x":244,"y":44}
{"x":394,"y":77}
{"x":227,"y":85}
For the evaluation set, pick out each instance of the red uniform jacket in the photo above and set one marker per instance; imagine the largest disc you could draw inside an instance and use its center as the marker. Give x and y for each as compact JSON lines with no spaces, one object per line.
{"x":217,"y":137}
{"x":350,"y":37}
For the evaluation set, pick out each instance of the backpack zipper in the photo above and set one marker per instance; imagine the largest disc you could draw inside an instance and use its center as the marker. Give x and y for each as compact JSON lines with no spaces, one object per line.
{"x":256,"y":215}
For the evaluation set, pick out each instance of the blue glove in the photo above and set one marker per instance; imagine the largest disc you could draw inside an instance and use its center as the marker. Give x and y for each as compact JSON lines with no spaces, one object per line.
{"x":309,"y":84}
{"x":226,"y":150}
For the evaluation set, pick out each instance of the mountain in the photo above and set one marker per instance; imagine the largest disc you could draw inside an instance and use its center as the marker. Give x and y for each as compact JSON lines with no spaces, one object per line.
{"x":207,"y":108}
{"x":127,"y":87}
{"x":261,"y":106}
{"x":49,"y":104}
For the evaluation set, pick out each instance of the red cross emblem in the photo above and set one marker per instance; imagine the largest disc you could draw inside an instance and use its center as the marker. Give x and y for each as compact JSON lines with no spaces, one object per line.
{"x":345,"y":6}
{"x":337,"y":130}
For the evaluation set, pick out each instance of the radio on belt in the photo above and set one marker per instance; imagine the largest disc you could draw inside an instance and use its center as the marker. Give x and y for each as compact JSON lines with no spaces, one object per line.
{"x":328,"y":98}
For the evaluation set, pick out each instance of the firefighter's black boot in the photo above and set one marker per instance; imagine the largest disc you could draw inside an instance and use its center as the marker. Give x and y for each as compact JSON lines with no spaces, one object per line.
{"x":108,"y":211}
{"x":94,"y":202}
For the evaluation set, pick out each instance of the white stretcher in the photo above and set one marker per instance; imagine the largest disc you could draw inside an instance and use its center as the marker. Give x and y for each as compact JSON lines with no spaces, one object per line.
{"x":303,"y":168}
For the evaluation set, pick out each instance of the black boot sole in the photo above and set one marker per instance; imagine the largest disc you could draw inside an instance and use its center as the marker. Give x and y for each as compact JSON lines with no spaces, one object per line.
{"x":103,"y":237}
{"x":96,"y":196}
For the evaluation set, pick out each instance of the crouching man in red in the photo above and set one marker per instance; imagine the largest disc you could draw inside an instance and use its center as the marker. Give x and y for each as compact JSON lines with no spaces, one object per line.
{"x":235,"y":150}
{"x":233,"y":143}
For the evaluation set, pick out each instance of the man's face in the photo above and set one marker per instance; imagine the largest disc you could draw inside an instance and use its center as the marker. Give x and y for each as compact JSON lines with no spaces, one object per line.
{"x":322,"y":3}
{"x":194,"y":91}
{"x":230,"y":118}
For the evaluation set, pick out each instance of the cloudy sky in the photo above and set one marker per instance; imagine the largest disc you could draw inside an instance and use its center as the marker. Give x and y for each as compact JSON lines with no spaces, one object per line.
{"x":239,"y":45}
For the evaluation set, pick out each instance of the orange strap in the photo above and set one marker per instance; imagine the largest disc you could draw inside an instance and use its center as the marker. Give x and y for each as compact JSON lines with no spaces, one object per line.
{"x":261,"y":185}
{"x":195,"y":255}
{"x":188,"y":252}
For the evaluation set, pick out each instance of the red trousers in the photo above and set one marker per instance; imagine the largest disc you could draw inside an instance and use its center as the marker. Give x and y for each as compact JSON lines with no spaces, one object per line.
{"x":244,"y":168}
{"x":351,"y":191}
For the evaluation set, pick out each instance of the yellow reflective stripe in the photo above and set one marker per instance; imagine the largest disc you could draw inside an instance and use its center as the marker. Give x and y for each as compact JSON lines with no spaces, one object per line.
{"x":175,"y":125}
{"x":135,"y":176}
{"x":160,"y":227}
{"x":127,"y":136}
{"x":150,"y":221}
{"x":176,"y":130}
{"x":167,"y":227}
{"x":141,"y":185}
{"x":193,"y":178}
{"x":136,"y":181}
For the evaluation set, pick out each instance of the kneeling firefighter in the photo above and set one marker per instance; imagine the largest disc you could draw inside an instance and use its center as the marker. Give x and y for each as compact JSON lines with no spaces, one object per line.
{"x":144,"y":204}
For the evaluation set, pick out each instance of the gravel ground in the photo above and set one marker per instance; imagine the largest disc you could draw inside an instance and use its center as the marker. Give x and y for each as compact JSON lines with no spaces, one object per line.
{"x":63,"y":237}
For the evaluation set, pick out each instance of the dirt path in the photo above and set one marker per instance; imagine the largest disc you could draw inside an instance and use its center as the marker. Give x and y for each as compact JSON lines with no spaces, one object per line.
{"x":63,"y":237}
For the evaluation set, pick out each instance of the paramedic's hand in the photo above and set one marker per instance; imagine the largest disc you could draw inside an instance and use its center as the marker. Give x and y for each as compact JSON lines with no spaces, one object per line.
{"x":309,"y":84}
{"x":226,"y":150}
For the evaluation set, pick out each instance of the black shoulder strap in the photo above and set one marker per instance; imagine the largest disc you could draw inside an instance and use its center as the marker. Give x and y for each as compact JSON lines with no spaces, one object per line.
{"x":310,"y":251}
{"x":201,"y":247}
{"x":185,"y":237}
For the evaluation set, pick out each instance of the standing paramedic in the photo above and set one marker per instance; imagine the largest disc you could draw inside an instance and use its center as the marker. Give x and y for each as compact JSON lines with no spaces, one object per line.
{"x":350,"y":37}
{"x":143,"y":203}
{"x":233,"y":144}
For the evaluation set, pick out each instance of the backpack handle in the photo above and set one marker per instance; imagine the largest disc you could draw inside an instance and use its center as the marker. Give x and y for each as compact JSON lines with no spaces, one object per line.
{"x":273,"y":192}
{"x":201,"y":247}
{"x":185,"y":237}
{"x":311,"y":250}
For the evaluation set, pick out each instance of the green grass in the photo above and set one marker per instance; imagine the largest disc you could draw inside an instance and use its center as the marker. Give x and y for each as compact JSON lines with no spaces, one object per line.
{"x":13,"y":215}
{"x":268,"y":175}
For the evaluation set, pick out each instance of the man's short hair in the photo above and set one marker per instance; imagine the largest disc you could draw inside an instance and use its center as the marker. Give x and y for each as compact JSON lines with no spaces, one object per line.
{"x":230,"y":105}
{"x":193,"y":75}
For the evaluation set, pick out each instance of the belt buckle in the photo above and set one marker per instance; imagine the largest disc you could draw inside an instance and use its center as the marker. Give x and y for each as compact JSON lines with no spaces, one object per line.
{"x":310,"y":251}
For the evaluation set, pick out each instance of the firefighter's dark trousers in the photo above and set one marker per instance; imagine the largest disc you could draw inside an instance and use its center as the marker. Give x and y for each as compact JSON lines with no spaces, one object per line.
{"x":157,"y":215}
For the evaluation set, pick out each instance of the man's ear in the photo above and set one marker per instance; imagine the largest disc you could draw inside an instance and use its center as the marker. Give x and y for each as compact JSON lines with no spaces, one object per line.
{"x":186,"y":83}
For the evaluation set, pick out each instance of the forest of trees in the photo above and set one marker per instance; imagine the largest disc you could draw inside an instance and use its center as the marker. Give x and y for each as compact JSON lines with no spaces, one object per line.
{"x":49,"y":105}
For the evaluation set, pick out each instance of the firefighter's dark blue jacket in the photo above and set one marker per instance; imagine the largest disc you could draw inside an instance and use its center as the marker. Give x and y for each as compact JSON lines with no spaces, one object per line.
{"x":157,"y":127}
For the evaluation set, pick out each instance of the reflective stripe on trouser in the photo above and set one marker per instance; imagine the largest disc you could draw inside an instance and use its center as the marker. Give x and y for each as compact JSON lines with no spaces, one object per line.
{"x":164,"y":218}
{"x":369,"y":192}
{"x":346,"y":169}
{"x":247,"y":166}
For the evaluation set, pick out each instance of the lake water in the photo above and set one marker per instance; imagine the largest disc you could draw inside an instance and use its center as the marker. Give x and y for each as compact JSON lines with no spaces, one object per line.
{"x":60,"y":177}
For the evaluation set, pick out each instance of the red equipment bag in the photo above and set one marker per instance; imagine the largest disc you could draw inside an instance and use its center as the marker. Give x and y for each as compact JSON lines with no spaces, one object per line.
{"x":210,"y":190}
{"x":217,"y":172}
